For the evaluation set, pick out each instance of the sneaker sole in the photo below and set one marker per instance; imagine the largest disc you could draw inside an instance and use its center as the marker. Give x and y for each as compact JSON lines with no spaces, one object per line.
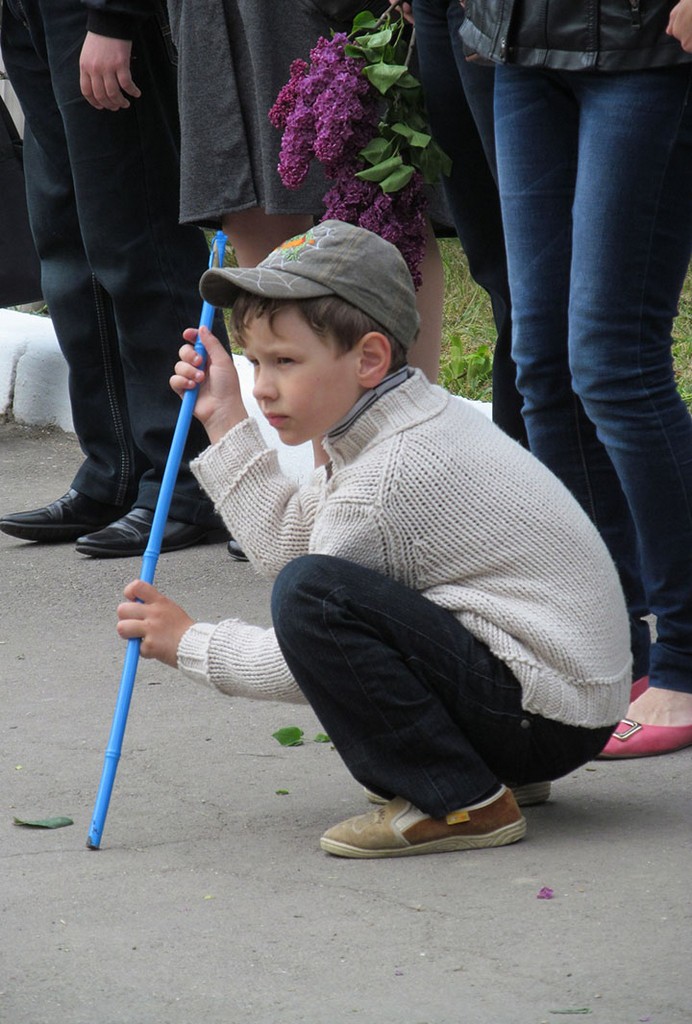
{"x":531,"y":794}
{"x":501,"y":837}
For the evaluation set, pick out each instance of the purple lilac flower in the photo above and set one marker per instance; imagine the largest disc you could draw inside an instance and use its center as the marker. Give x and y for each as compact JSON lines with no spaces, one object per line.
{"x":346,"y":118}
{"x":325,"y":109}
{"x":329,"y":111}
{"x":348,"y":196}
{"x":346,"y":107}
{"x":297,"y":146}
{"x":399,"y":217}
{"x":288,"y":95}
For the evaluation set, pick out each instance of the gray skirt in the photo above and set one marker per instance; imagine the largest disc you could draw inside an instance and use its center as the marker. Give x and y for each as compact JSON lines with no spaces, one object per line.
{"x":234,"y":56}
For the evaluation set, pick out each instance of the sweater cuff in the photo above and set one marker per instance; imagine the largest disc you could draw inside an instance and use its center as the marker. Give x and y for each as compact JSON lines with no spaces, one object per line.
{"x":193,"y":652}
{"x":221,"y":464}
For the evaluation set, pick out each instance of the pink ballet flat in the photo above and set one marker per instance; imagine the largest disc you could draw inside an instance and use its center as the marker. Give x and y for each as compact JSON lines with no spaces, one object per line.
{"x":638,"y":688}
{"x":632,"y":739}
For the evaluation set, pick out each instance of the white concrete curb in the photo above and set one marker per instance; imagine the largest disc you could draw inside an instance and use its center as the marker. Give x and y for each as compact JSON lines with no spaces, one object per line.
{"x":33,"y":372}
{"x":33,"y":385}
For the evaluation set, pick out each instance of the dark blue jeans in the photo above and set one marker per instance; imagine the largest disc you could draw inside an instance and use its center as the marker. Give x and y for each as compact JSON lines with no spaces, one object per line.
{"x":459,"y":99}
{"x":415,"y":705}
{"x":596,"y":181}
{"x":119,"y":274}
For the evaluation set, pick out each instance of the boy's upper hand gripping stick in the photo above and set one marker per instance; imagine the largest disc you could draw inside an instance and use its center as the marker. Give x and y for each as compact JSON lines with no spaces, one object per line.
{"x":149,"y":560}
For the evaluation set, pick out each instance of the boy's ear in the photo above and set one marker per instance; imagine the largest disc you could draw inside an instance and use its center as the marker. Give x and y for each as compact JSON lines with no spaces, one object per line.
{"x":374,"y":359}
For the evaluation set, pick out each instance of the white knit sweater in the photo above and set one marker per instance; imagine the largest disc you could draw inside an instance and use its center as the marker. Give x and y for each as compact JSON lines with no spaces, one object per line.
{"x":427,"y":491}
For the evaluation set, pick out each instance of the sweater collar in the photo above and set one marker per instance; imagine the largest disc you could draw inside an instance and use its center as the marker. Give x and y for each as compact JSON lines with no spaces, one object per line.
{"x":391,"y":381}
{"x":409,"y":400}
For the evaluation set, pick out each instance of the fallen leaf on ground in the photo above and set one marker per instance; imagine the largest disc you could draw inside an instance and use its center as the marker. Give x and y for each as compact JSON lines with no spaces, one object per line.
{"x":44,"y":822}
{"x":290,"y":736}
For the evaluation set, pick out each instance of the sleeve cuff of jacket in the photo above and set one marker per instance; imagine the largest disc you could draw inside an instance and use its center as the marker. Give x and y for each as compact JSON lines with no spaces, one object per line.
{"x":115,"y":26}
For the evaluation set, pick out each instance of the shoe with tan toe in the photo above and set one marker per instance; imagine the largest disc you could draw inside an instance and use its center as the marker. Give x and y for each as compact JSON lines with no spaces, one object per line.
{"x":398,"y":829}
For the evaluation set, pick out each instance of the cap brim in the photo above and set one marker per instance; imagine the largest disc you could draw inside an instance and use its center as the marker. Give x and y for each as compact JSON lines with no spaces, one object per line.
{"x":221,"y":286}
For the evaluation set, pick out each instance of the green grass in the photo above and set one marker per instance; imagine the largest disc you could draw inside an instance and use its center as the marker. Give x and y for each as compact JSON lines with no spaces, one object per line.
{"x":468,"y":332}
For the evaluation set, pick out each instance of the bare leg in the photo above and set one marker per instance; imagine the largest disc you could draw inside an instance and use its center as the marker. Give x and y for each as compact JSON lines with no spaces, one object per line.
{"x":425,"y":353}
{"x":254,"y":233}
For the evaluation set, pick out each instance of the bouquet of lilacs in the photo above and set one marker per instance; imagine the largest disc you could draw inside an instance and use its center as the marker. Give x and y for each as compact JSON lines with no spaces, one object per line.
{"x":357,"y":109}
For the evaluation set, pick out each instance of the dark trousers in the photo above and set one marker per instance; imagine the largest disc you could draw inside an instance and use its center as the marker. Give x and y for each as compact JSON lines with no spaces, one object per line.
{"x":416,"y":706}
{"x":459,"y":99}
{"x":119,"y":274}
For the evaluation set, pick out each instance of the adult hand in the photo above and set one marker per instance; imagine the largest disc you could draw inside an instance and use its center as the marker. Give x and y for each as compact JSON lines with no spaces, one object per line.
{"x":104,"y":72}
{"x":219,"y":405}
{"x":406,"y":10}
{"x":154,"y":619}
{"x":680,"y":24}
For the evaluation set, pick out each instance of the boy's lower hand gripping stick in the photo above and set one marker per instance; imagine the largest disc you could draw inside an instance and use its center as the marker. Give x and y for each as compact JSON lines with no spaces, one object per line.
{"x":149,"y":560}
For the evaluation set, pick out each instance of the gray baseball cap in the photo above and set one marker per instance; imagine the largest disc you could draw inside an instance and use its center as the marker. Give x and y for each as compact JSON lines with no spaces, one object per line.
{"x":333,"y":258}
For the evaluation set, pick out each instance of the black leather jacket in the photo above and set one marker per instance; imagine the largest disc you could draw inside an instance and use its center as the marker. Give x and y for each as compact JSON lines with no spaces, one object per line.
{"x":573,"y":35}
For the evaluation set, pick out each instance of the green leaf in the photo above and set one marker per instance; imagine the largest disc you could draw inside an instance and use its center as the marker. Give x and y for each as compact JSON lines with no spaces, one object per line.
{"x":445,"y":161}
{"x":433,"y":161}
{"x":473,"y":367}
{"x":353,"y":50}
{"x":384,"y":76}
{"x":365,"y":19}
{"x":479,"y":365}
{"x":457,"y":356}
{"x":44,"y":822}
{"x":322,"y":737}
{"x":409,"y":81}
{"x":397,"y":179}
{"x":377,"y":150}
{"x":282,"y":792}
{"x":418,"y":139}
{"x":290,"y":736}
{"x":380,"y":171}
{"x":377,"y":40}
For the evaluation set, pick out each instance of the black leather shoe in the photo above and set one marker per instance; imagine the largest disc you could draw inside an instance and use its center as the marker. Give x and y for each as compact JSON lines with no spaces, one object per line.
{"x":130,"y":536}
{"x":235,"y":551}
{"x":65,"y":519}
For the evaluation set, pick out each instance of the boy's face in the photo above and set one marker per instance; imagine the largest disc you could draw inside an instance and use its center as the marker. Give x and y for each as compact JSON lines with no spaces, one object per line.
{"x":303,"y":383}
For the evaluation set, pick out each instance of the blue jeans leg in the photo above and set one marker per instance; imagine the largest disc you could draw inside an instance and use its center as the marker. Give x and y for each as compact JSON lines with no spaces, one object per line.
{"x":415,"y":705}
{"x":119,"y":273}
{"x":595,"y":175}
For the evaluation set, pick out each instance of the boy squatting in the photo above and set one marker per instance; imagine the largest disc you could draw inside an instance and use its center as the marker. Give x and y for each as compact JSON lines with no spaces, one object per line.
{"x":442,"y":602}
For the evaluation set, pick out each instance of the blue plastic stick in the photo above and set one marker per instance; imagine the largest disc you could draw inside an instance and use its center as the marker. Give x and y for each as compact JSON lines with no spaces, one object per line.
{"x":149,"y":560}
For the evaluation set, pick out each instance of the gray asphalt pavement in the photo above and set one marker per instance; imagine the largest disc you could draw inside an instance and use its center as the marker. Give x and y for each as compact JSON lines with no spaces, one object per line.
{"x":210,"y":899}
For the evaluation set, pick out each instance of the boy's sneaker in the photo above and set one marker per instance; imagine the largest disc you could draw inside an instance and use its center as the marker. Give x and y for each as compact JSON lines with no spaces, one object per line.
{"x":531,"y":794}
{"x":398,"y":829}
{"x":526,"y":796}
